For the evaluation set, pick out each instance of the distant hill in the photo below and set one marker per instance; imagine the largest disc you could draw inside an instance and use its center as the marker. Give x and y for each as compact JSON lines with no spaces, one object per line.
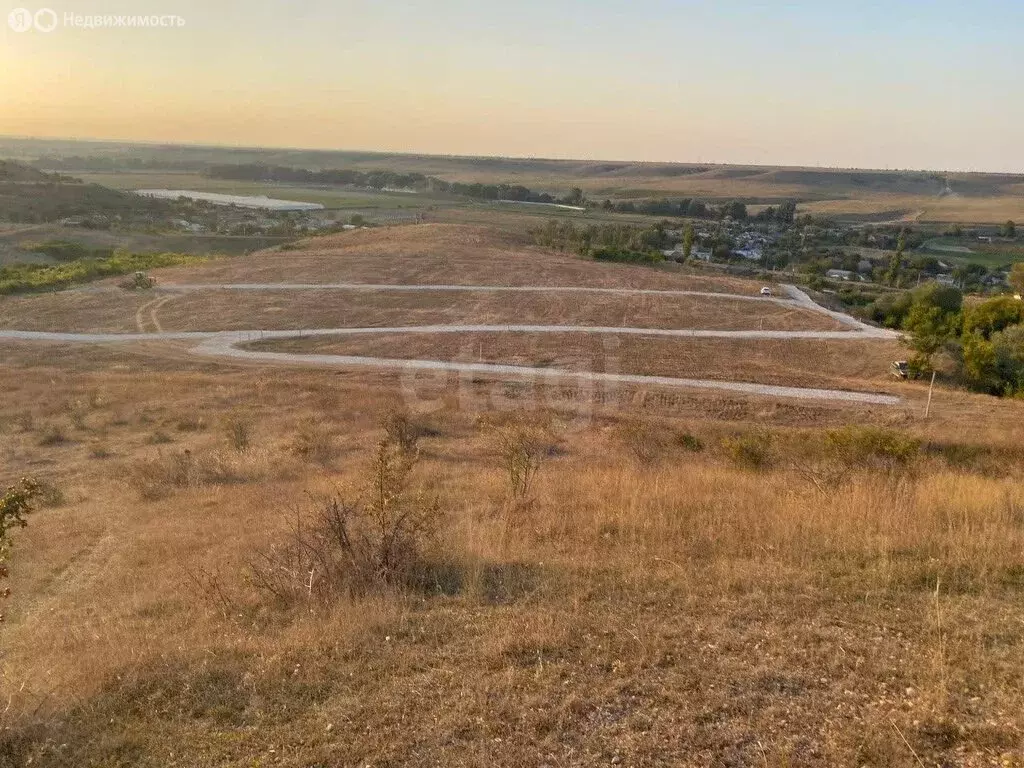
{"x":30,"y":196}
{"x":17,"y":172}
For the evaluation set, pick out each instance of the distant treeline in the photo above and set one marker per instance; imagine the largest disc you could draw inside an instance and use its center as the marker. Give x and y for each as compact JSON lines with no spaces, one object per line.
{"x":379,"y":180}
{"x":104,"y":164}
{"x":698,"y":209}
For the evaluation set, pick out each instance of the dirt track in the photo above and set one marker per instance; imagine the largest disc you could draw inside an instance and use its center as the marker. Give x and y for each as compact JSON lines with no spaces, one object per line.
{"x":226,"y":344}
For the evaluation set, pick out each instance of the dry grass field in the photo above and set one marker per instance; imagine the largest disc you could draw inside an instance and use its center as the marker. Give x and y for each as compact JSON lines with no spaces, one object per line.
{"x":849,"y":364}
{"x":116,"y":310}
{"x":650,"y":579}
{"x":442,"y":254}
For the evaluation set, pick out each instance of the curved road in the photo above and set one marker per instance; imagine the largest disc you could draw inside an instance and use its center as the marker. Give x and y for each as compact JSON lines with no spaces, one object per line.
{"x":226,"y":343}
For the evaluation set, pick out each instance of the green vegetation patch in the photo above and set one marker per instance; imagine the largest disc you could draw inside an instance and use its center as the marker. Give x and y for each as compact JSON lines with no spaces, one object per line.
{"x":31,"y":278}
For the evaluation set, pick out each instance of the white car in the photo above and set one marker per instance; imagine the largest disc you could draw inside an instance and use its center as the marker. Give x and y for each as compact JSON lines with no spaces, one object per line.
{"x":766,"y":291}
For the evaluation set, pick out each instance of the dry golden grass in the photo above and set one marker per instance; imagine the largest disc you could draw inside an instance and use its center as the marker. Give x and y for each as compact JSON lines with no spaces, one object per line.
{"x":690,"y":579}
{"x":122,"y":311}
{"x":648,"y":604}
{"x":808,"y":363}
{"x":442,"y":254}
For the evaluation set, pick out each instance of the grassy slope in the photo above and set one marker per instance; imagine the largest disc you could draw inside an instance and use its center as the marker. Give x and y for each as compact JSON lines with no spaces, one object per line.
{"x":645,"y":605}
{"x":650,"y":604}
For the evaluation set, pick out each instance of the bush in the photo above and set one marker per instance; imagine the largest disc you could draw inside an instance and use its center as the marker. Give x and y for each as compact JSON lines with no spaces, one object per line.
{"x":872,"y":447}
{"x":353,"y":548}
{"x":402,"y":432}
{"x":993,"y":316}
{"x":314,"y":442}
{"x":158,"y":477}
{"x":522,"y":448}
{"x":52,"y":434}
{"x":238,"y":431}
{"x":754,"y":450}
{"x":159,"y":437}
{"x":690,"y":442}
{"x":994,"y":366}
{"x":16,"y":502}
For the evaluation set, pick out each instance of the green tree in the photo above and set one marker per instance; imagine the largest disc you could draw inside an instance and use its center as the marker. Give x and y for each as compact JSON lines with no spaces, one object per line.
{"x":734,"y":210}
{"x":688,"y":238}
{"x":892,"y":274}
{"x":1009,"y":346}
{"x":1009,"y":229}
{"x":934,"y":319}
{"x":993,"y":316}
{"x":979,"y":364}
{"x":995,"y":367}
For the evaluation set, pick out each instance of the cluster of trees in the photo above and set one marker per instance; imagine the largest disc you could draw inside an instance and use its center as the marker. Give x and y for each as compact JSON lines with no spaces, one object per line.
{"x":986,"y":339}
{"x":783,"y":214}
{"x":699,"y":209}
{"x":684,"y":206}
{"x":606,"y":242}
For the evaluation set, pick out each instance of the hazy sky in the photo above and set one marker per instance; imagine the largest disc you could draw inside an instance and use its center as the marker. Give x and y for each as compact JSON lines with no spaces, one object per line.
{"x":903,"y":83}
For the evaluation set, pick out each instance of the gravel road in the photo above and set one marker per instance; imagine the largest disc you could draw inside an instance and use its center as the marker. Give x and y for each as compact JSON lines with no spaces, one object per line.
{"x":225,"y":344}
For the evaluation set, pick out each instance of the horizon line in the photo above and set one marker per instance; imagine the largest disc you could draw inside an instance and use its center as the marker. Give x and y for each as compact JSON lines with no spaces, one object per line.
{"x":458,"y":156}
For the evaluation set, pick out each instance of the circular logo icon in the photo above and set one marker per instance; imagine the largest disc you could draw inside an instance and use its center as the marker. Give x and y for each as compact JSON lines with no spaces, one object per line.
{"x":45,"y":20}
{"x":20,"y":20}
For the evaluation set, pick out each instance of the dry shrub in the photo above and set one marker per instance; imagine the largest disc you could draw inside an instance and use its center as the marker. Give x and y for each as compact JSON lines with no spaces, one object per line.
{"x":522,"y":448}
{"x":353,"y":547}
{"x":645,"y":442}
{"x":401,"y":431}
{"x":51,"y":435}
{"x":159,"y":437}
{"x":649,"y":443}
{"x":191,"y":423}
{"x":158,"y":477}
{"x":753,"y":450}
{"x":238,"y":431}
{"x":100,"y":450}
{"x":314,"y":441}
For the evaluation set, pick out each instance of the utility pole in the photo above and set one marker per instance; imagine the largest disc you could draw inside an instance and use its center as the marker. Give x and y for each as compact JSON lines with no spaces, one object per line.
{"x":931,"y":388}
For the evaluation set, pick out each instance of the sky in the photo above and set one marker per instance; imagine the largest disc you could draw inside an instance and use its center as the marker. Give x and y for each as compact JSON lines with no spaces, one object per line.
{"x":900,"y":84}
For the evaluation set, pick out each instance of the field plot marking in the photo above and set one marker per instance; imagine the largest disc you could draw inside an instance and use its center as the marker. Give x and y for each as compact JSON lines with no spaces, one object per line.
{"x":225,"y":344}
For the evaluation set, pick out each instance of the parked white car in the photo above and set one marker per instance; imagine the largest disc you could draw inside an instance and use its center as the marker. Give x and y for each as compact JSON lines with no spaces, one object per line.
{"x":766,"y":291}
